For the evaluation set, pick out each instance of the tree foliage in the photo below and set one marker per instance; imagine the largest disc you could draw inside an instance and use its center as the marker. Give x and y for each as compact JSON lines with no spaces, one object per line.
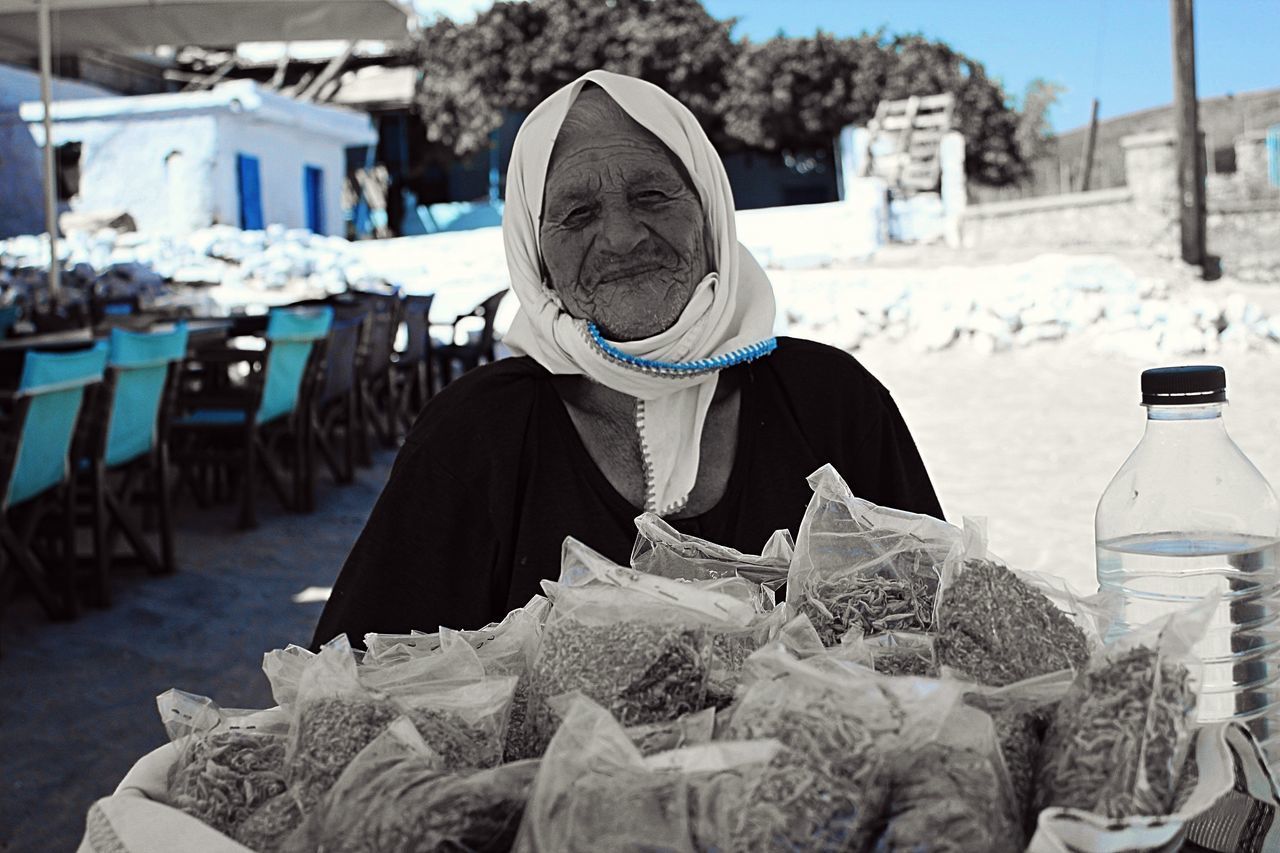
{"x":516,"y":54}
{"x":785,"y":94}
{"x":1034,"y":135}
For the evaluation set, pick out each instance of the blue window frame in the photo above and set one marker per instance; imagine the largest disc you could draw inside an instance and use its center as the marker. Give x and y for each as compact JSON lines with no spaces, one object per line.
{"x":249,"y":184}
{"x":313,"y":197}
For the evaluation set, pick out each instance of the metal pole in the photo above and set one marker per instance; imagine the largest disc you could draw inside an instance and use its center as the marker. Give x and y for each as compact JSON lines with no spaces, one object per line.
{"x":1190,"y":150}
{"x":50,"y":183}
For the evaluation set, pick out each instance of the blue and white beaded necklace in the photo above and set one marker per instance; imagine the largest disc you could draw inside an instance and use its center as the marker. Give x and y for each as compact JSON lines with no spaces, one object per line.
{"x":680,"y":368}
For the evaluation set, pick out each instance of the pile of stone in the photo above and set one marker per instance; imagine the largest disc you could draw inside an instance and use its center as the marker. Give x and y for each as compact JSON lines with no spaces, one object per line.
{"x":1003,"y":307}
{"x":220,"y":265}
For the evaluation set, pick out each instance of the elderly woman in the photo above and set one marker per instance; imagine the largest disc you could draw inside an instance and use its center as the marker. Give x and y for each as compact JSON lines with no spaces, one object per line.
{"x":646,"y":378}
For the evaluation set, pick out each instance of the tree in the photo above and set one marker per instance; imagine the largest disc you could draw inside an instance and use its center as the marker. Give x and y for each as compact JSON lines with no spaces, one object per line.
{"x":516,"y":54}
{"x":1034,"y":136}
{"x":796,"y":93}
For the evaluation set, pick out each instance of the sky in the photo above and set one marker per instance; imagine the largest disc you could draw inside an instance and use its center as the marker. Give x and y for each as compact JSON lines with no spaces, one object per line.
{"x":1118,"y":51}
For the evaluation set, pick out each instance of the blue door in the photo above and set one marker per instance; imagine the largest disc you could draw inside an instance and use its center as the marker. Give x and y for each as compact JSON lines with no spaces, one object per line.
{"x":249,"y":182}
{"x":313,"y":197}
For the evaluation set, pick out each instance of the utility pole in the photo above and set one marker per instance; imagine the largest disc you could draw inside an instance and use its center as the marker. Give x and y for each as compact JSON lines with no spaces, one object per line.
{"x":1091,"y":141}
{"x":1190,"y":149}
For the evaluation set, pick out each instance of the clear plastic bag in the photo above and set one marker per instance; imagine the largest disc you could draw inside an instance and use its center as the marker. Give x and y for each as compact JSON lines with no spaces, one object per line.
{"x":998,"y":626}
{"x":736,"y":630}
{"x":1118,"y":741}
{"x":396,"y":797}
{"x":496,"y":643}
{"x":334,"y":717}
{"x":645,"y":661}
{"x":662,"y":550}
{"x":229,"y":761}
{"x":1021,"y":713}
{"x":898,"y":653}
{"x":594,"y":790}
{"x":460,"y":710}
{"x":861,"y":566}
{"x":688,"y":730}
{"x":951,"y":794}
{"x":284,"y":668}
{"x":828,"y":788}
{"x":730,"y":600}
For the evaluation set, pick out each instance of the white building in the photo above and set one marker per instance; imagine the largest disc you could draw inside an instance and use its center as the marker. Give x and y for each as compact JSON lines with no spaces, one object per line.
{"x":237,"y":154}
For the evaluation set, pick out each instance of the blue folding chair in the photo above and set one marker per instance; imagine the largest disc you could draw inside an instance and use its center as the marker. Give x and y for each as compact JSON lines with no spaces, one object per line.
{"x":239,"y":427}
{"x":412,"y":370}
{"x":334,"y":422}
{"x":9,"y":316}
{"x":129,"y":442}
{"x":35,"y":471}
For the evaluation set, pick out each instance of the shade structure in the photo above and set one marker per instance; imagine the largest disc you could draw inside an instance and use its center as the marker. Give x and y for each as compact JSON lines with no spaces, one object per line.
{"x":81,"y":24}
{"x":34,"y":27}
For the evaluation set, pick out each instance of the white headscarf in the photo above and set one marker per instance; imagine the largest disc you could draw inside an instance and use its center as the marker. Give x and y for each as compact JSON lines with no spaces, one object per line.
{"x":731,"y":309}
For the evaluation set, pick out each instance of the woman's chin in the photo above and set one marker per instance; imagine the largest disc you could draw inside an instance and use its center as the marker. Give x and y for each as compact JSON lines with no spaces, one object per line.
{"x":634,"y":327}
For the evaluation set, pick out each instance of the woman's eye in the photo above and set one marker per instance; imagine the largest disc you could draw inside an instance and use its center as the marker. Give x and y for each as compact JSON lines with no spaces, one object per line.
{"x":578,"y":215}
{"x":650,"y":196}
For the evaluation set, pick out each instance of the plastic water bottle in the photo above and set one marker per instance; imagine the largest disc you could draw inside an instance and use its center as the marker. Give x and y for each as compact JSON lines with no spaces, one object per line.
{"x":1186,"y":515}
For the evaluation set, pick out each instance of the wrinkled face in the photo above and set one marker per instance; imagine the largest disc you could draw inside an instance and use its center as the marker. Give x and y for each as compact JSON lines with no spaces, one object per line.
{"x":624,"y":239}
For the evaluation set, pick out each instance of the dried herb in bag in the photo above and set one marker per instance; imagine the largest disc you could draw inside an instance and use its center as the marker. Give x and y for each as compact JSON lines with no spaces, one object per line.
{"x":1117,"y":741}
{"x":951,"y":794}
{"x":595,"y":792}
{"x":641,"y":672}
{"x":689,"y":730}
{"x":225,"y":776}
{"x":902,"y":654}
{"x":329,"y":733}
{"x":998,"y":629}
{"x":458,"y":708}
{"x":267,"y":827}
{"x":1021,"y":713}
{"x":460,"y":744}
{"x":395,"y":797}
{"x":860,"y":566}
{"x":870,"y":603}
{"x":828,"y":788}
{"x":229,"y":762}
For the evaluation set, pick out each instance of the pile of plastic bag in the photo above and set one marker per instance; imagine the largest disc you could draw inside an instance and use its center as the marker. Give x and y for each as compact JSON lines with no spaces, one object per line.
{"x":912,"y":693}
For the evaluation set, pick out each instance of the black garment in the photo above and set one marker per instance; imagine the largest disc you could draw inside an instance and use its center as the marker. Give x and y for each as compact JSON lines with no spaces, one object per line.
{"x":494,"y":476}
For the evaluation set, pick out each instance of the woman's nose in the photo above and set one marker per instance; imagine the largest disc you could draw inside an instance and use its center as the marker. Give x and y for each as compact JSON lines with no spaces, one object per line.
{"x":620,"y":230}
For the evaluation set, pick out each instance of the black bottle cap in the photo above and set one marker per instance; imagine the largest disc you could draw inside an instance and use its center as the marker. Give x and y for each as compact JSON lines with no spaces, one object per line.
{"x":1184,"y":386}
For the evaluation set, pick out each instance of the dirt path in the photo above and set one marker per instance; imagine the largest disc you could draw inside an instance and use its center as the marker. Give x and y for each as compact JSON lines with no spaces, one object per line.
{"x":1031,"y":438}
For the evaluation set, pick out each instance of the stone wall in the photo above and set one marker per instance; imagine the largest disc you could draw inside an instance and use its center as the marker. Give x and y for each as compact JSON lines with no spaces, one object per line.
{"x":1242,"y":221}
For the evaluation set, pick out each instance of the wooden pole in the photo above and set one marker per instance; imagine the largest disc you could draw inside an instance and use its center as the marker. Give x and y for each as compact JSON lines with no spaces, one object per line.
{"x":1086,"y":167}
{"x":1190,"y":150}
{"x":50,"y":178}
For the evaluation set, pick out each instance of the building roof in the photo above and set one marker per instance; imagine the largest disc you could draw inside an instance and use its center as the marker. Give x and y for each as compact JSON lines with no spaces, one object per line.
{"x":236,"y":96}
{"x":377,"y":86}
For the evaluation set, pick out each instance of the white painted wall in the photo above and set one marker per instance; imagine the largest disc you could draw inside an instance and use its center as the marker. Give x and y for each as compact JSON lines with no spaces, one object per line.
{"x":21,"y":167}
{"x":123,"y":167}
{"x":282,"y":152}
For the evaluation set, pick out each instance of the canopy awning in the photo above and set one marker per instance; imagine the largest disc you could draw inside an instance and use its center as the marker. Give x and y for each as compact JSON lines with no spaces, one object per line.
{"x":79,"y":24}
